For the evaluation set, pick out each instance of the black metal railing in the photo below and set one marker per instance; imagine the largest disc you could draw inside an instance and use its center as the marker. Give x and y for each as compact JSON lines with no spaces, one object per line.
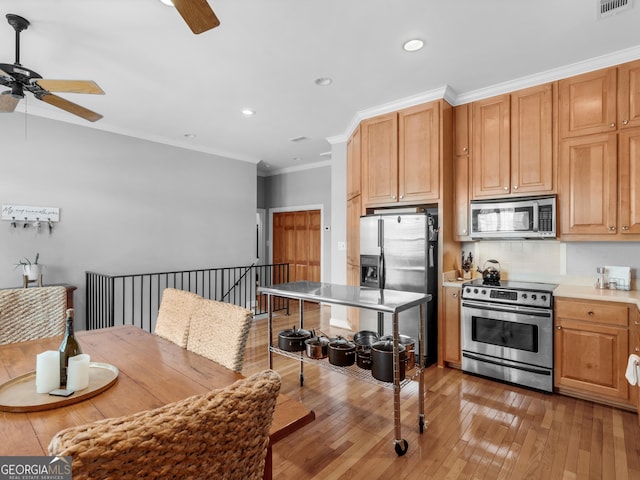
{"x":134,"y":299}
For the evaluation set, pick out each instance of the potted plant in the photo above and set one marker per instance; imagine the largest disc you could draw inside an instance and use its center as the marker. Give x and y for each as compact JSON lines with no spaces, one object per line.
{"x":31,"y":270}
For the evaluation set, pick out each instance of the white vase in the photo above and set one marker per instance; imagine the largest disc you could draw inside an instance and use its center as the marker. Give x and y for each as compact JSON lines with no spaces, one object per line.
{"x":32,"y":272}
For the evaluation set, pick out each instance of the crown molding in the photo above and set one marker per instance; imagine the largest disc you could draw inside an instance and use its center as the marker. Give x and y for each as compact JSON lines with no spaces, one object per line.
{"x":280,"y":171}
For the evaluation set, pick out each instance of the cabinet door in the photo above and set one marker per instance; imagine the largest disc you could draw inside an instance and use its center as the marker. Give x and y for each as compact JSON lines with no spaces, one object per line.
{"x":629,"y":94}
{"x":588,"y":177}
{"x":491,"y":147}
{"x":379,"y":138}
{"x":353,"y":231}
{"x":587,"y":103}
{"x":629,"y":183}
{"x":353,"y":165}
{"x":461,"y":130}
{"x":419,"y":153}
{"x":461,"y":198}
{"x":452,"y":345}
{"x":591,"y":358}
{"x":532,"y":156}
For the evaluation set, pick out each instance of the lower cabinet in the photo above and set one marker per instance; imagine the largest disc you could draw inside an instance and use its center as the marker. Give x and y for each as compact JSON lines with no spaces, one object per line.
{"x":452,"y":349}
{"x":591,"y":349}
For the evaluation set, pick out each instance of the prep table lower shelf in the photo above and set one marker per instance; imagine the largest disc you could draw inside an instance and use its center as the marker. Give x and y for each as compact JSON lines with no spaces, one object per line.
{"x":381,"y":301}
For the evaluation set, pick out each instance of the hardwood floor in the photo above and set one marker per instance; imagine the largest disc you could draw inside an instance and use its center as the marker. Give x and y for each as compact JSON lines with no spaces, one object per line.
{"x":477,"y":428}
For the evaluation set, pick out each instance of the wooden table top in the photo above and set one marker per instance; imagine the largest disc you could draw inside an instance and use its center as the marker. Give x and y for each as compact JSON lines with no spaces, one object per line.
{"x":153,"y":372}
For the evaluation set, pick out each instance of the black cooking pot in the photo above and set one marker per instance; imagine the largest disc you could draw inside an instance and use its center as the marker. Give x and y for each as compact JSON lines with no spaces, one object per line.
{"x":342,"y":352}
{"x":365,"y":338}
{"x":363,"y":358}
{"x":293,"y":340}
{"x":382,"y":361}
{"x":317,"y":347}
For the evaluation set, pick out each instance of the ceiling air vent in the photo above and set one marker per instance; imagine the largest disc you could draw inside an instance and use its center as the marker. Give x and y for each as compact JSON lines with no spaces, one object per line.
{"x":606,"y":8}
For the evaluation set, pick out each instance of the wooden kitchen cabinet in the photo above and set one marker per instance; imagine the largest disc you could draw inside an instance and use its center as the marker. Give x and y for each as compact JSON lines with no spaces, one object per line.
{"x":591,"y":349}
{"x":512,"y":148}
{"x":629,"y":181}
{"x":461,"y":173}
{"x":601,"y":101}
{"x":401,"y":157}
{"x":461,"y":130}
{"x":587,"y":173}
{"x":452,"y":348}
{"x":634,"y":347}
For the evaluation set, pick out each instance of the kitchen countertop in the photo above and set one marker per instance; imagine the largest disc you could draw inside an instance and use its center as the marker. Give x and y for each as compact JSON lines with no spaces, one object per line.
{"x":592,"y":293}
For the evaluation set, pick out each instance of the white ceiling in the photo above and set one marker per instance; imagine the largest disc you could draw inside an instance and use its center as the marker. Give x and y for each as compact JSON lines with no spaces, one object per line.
{"x":162,"y":81}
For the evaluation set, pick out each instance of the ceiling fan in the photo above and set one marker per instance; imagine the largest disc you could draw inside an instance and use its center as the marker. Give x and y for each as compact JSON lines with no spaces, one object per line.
{"x":18,"y":79}
{"x":197,"y":14}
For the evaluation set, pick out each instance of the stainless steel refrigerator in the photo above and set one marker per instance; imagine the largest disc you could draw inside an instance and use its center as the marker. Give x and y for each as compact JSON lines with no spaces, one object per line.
{"x":399,"y":251}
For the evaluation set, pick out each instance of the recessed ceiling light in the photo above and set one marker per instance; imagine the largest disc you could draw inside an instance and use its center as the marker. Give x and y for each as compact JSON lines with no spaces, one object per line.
{"x":168,"y":3}
{"x":413,"y":45}
{"x":323,"y":81}
{"x":247,"y":112}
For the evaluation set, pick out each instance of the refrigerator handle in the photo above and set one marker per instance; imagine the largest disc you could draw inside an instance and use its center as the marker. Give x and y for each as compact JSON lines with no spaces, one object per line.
{"x":381,"y":278}
{"x":431,"y":260}
{"x":380,"y":232}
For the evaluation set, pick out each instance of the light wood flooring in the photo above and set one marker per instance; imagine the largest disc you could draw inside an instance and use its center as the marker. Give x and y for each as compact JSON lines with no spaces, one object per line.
{"x":477,"y":428}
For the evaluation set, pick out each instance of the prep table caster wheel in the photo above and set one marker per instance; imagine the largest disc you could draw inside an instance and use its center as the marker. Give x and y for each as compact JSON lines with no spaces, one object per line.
{"x":302,"y":380}
{"x":401,"y":447}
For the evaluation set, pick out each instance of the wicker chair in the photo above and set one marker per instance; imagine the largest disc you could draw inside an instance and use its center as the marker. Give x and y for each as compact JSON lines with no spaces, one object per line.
{"x":31,"y":313}
{"x":220,"y":435}
{"x":219,"y":332}
{"x":174,"y":315}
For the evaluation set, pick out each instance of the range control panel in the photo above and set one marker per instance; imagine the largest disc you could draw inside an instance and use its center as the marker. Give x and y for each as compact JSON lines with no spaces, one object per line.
{"x":487,"y":293}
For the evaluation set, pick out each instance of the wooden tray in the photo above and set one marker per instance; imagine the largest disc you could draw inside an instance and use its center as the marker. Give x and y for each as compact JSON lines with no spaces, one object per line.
{"x":19,"y":394}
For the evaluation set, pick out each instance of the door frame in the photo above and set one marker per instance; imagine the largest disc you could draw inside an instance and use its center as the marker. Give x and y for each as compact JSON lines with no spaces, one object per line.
{"x":299,"y":208}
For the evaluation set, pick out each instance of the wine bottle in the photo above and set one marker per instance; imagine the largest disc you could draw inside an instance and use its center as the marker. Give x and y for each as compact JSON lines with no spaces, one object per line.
{"x":68,"y":348}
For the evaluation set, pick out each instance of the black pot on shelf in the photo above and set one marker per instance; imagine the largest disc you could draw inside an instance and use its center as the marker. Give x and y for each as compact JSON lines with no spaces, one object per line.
{"x":382,"y":361}
{"x":363,"y":358}
{"x":342,"y":352}
{"x":292,"y":340}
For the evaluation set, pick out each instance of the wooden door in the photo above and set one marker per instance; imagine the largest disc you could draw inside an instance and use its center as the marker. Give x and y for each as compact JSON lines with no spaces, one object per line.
{"x":629,"y":181}
{"x":629,"y":95}
{"x":296,"y":241}
{"x":588,"y":185}
{"x":532,"y":155}
{"x":419,"y":153}
{"x":491,"y":163}
{"x":587,"y":103}
{"x":379,"y":137}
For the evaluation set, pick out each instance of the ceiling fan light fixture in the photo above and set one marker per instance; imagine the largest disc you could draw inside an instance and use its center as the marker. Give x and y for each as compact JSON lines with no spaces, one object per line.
{"x":413,"y":45}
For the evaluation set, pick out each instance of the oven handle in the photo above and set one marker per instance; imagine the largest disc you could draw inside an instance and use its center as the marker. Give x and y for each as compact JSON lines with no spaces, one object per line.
{"x":493,"y":307}
{"x":510,"y":365}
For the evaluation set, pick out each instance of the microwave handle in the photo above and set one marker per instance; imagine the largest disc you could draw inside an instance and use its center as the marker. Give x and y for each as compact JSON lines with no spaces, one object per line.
{"x":536,"y":216}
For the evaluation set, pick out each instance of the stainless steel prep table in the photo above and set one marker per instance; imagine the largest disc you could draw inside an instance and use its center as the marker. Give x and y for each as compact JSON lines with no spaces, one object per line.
{"x":382,"y":301}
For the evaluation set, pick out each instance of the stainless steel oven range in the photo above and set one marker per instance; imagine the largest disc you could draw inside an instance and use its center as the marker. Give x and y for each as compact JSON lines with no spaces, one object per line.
{"x":507,"y":332}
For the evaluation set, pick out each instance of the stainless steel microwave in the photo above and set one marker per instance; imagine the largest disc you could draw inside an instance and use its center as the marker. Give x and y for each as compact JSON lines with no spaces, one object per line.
{"x":525,"y":217}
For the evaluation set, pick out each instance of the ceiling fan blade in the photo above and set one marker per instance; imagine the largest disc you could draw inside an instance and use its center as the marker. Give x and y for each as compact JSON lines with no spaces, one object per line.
{"x":70,"y":107}
{"x":197,"y":14}
{"x":70,"y":86}
{"x":8,"y":103}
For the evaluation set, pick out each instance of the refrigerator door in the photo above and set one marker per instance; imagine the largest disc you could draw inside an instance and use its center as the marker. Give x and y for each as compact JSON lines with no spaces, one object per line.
{"x":370,"y":235}
{"x":405,"y":252}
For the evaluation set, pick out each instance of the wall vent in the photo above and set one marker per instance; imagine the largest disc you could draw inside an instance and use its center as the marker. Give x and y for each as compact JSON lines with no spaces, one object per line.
{"x":606,"y":8}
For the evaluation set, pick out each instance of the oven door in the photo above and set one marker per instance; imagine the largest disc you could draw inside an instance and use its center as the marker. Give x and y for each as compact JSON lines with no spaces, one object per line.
{"x":514,"y":333}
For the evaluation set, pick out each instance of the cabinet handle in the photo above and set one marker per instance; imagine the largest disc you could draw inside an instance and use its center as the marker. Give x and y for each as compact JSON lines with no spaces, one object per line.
{"x":465,"y":149}
{"x":464,"y":230}
{"x":625,"y":122}
{"x":625,"y":227}
{"x":506,"y":189}
{"x":455,"y":295}
{"x":637,"y":349}
{"x":612,"y":229}
{"x":636,"y":322}
{"x":401,"y":197}
{"x":393,"y":196}
{"x":590,"y":313}
{"x":612,"y":125}
{"x":515,"y":187}
{"x":558,"y":327}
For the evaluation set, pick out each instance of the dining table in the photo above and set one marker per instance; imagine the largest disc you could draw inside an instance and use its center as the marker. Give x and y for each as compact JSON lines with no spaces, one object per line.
{"x":152,"y":372}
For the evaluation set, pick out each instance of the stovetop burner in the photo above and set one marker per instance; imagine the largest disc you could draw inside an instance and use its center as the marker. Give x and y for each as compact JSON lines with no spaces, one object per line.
{"x":532,"y":294}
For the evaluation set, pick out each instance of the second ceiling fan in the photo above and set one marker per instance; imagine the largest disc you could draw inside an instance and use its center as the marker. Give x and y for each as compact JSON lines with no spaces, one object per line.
{"x":197,"y":13}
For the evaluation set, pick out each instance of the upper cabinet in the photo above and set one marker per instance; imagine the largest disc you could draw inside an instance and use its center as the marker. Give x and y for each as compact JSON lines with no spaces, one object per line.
{"x":600,"y":101}
{"x":461,"y":173}
{"x":401,"y":156}
{"x":512,"y":149}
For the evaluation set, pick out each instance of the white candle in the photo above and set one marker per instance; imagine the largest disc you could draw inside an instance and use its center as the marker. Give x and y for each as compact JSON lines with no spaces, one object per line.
{"x":78,"y":372}
{"x":47,"y":371}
